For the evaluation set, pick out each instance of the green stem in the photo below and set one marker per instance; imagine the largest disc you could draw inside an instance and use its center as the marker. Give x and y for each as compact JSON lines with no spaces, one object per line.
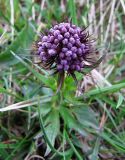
{"x":73,"y":147}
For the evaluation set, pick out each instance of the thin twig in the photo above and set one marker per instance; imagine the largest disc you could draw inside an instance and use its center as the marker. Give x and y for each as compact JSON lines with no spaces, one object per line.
{"x":110,"y":20}
{"x":12,"y":19}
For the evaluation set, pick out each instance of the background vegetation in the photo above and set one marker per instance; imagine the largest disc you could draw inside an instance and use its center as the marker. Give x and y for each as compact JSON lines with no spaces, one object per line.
{"x":85,"y":122}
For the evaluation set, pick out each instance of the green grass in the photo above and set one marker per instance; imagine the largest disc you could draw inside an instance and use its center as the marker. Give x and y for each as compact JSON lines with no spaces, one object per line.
{"x":36,"y":123}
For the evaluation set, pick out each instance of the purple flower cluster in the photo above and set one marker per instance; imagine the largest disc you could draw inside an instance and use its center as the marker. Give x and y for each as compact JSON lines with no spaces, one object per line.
{"x":64,"y":48}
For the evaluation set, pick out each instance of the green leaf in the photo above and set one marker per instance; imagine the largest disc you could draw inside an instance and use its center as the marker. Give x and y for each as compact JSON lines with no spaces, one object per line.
{"x":120,"y":100}
{"x":45,"y":109}
{"x":86,"y":116}
{"x":3,"y":152}
{"x":71,"y":122}
{"x":105,"y":90}
{"x":72,"y":10}
{"x":94,"y":155}
{"x":22,"y":41}
{"x":52,"y":130}
{"x":118,"y":145}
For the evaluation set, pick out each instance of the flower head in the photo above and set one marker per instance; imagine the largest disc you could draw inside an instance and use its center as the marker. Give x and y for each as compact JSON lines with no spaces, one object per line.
{"x":65,"y":48}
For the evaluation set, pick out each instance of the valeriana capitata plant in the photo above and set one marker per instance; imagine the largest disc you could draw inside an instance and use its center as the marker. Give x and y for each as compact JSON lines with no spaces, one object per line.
{"x":67,"y":49}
